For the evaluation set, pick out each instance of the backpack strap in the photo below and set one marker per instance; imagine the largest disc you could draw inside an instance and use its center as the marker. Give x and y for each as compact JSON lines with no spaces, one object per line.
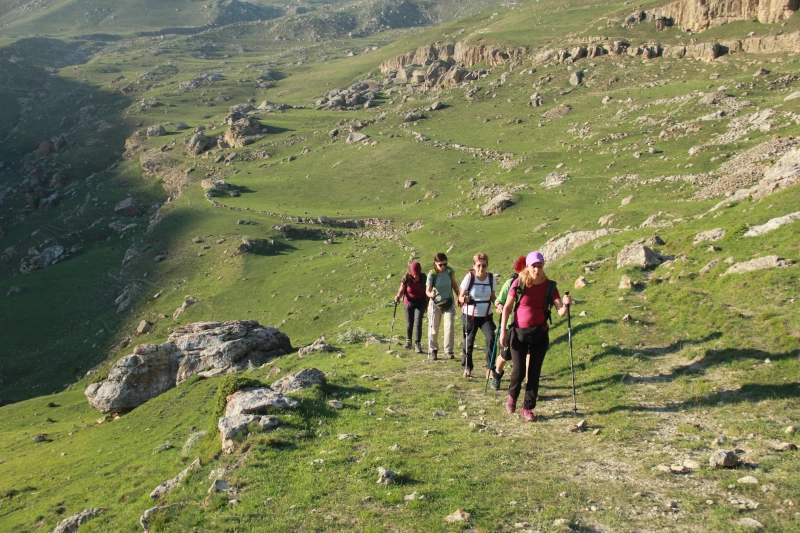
{"x":548,"y":300}
{"x":471,"y":279}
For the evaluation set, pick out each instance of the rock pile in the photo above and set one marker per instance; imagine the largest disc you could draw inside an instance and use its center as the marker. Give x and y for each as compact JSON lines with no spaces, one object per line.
{"x":360,"y":94}
{"x":244,"y":407}
{"x":204,"y":348}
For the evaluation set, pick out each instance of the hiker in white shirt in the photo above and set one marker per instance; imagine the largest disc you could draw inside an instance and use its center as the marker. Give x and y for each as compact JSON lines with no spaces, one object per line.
{"x":477,"y":295}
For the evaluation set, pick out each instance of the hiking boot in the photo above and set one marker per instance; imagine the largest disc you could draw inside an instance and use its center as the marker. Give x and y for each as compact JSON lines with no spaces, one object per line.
{"x":496,"y":380}
{"x":417,"y":348}
{"x":451,"y":356}
{"x":511,"y":405}
{"x":408,"y":344}
{"x":528,"y":415}
{"x":434,"y":355}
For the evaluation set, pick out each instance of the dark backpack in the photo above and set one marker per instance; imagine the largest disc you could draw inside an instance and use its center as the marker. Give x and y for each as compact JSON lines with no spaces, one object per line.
{"x":548,"y":300}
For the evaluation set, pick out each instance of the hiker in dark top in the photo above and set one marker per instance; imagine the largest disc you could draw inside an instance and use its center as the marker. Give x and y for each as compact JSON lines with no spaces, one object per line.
{"x":477,"y":295}
{"x":442,"y":289}
{"x":412,"y":291}
{"x":529,"y":301}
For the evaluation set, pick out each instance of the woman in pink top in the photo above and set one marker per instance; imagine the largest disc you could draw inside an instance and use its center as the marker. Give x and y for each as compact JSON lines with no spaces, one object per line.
{"x":529,"y":331}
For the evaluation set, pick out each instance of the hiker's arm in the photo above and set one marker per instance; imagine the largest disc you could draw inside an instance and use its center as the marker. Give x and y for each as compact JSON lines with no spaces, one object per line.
{"x":561,"y":306}
{"x":504,"y":319}
{"x":461,"y":294}
{"x":400,"y":292}
{"x":454,"y":284}
{"x":430,"y":291}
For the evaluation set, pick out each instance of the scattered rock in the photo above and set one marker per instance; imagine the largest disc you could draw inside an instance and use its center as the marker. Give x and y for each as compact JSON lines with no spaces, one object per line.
{"x":791,"y":430}
{"x":356,"y":137}
{"x":712,"y":235}
{"x":580,"y":426}
{"x":156,"y":131}
{"x":626,"y":201}
{"x":554,"y":179}
{"x":39,"y":438}
{"x":186,"y":303}
{"x":168,"y":485}
{"x":13,"y":290}
{"x":219,"y":486}
{"x":769,"y":261}
{"x":457,"y":517}
{"x":71,"y":524}
{"x":144,"y":327}
{"x":128,"y":208}
{"x":751,"y":523}
{"x":783,"y":447}
{"x":303,"y":379}
{"x":318,"y":345}
{"x":655,"y":240}
{"x":387,"y":477}
{"x":625,"y":282}
{"x":580,"y":282}
{"x":747,"y":480}
{"x":723,"y":459}
{"x":773,"y":224}
{"x":335,"y":404}
{"x":576,"y":78}
{"x":637,"y":255}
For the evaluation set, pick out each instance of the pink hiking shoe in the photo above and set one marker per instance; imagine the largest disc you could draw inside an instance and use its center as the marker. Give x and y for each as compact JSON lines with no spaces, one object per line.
{"x":528,"y":415}
{"x":511,"y":405}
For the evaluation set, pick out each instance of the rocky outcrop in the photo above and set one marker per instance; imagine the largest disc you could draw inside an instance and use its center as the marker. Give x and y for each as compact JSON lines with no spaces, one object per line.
{"x":204,"y":348}
{"x":244,"y":409}
{"x":760,"y":263}
{"x":498,"y":204}
{"x":165,"y":488}
{"x":300,"y":380}
{"x":697,"y":16}
{"x":71,"y":524}
{"x":242,"y":132}
{"x":462,"y":53}
{"x":51,"y":255}
{"x":360,"y":94}
{"x":785,"y":173}
{"x":558,"y":247}
{"x":773,"y":224}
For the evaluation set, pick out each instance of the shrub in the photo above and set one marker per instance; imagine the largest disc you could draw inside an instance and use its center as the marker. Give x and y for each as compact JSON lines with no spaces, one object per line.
{"x":353,"y":336}
{"x":228,"y":386}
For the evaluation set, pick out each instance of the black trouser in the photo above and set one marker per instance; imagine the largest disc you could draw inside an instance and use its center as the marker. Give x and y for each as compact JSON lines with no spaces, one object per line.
{"x":472,"y":325}
{"x":414,"y":312}
{"x":523,"y":341}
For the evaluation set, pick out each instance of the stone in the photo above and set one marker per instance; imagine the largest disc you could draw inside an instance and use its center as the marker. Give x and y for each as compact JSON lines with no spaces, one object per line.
{"x":537,"y":100}
{"x":559,"y":247}
{"x":772,"y":224}
{"x":791,"y":430}
{"x":605,"y":220}
{"x":655,"y":240}
{"x":458,"y":516}
{"x":219,"y":486}
{"x":186,"y":303}
{"x":747,"y":480}
{"x":498,"y":204}
{"x":691,"y":464}
{"x":204,"y":348}
{"x":167,"y":486}
{"x":303,"y":379}
{"x":750,"y":523}
{"x":156,"y":131}
{"x":625,"y":282}
{"x":37,"y":260}
{"x":254,"y":400}
{"x":41,"y":437}
{"x":576,"y":78}
{"x":197,"y":144}
{"x":784,"y":446}
{"x":71,"y":524}
{"x":626,"y":201}
{"x":627,"y":318}
{"x":335,"y":404}
{"x":144,"y":327}
{"x":180,"y":126}
{"x":723,"y":459}
{"x":637,"y":255}
{"x":769,"y":261}
{"x":712,"y":235}
{"x":318,"y":345}
{"x":694,"y":150}
{"x":580,"y":282}
{"x":411,"y":116}
{"x":606,"y":100}
{"x":409,"y":183}
{"x":356,"y":137}
{"x":387,"y":477}
{"x":554,"y":179}
{"x":13,"y":290}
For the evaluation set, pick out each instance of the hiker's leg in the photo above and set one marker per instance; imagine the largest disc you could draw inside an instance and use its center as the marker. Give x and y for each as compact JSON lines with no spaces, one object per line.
{"x":435,"y":319}
{"x":449,"y":319}
{"x":472,"y":326}
{"x":538,"y":349}
{"x":419,"y":310}
{"x":519,"y":350}
{"x":409,"y":309}
{"x":488,"y":337}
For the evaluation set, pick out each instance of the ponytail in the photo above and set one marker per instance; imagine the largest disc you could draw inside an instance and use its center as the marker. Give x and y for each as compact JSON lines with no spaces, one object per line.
{"x":526,"y":279}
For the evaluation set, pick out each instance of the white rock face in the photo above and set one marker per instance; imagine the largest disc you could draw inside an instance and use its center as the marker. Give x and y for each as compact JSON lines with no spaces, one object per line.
{"x":205,"y":348}
{"x":498,"y":204}
{"x":712,"y":235}
{"x":71,"y":524}
{"x":769,"y":261}
{"x":637,"y":255}
{"x":773,"y":224}
{"x":304,"y":379}
{"x":167,"y":486}
{"x":557,"y":248}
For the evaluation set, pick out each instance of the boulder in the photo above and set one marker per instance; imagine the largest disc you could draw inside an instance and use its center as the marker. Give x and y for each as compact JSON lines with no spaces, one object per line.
{"x":554,"y":179}
{"x":576,"y":78}
{"x":300,"y":380}
{"x":537,"y":100}
{"x":242,"y":132}
{"x":772,"y":224}
{"x":71,"y":524}
{"x":769,"y":261}
{"x":498,"y":204}
{"x":356,"y":137}
{"x":156,"y":131}
{"x":558,"y":247}
{"x":197,"y":144}
{"x":637,"y":255}
{"x":205,"y":348}
{"x":409,"y":183}
{"x":386,"y":476}
{"x":723,"y":459}
{"x":164,"y":489}
{"x":412,"y":116}
{"x":712,"y":235}
{"x":580,"y":282}
{"x":250,"y":401}
{"x":128,"y":208}
{"x":625,"y":282}
{"x":37,"y":260}
{"x":318,"y":345}
{"x":180,"y":126}
{"x":144,"y":327}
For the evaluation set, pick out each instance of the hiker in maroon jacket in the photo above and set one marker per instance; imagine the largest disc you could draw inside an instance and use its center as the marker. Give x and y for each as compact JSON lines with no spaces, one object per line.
{"x":530,"y":298}
{"x":412,"y":291}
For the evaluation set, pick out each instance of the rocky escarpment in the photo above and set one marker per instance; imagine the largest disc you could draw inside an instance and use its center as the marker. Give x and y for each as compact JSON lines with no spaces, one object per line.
{"x":698,"y":15}
{"x":204,"y":348}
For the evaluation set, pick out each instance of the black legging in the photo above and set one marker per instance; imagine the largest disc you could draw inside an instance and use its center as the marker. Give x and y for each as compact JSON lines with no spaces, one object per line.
{"x":414,"y":312}
{"x":485,"y":324}
{"x":523,"y":341}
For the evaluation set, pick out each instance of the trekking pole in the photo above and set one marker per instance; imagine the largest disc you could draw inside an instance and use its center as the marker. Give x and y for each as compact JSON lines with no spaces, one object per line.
{"x":571,"y":365}
{"x":491,"y":363}
{"x":391,"y":335}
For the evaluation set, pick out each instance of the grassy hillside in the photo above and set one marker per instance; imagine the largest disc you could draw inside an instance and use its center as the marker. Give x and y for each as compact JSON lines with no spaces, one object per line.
{"x":704,"y":360}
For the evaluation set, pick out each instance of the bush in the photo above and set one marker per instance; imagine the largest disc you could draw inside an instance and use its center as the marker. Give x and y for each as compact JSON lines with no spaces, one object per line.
{"x":353,"y":336}
{"x":228,"y":386}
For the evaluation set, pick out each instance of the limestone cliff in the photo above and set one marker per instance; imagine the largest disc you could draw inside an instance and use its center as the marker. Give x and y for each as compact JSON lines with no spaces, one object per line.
{"x":462,"y":53}
{"x":698,"y":15}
